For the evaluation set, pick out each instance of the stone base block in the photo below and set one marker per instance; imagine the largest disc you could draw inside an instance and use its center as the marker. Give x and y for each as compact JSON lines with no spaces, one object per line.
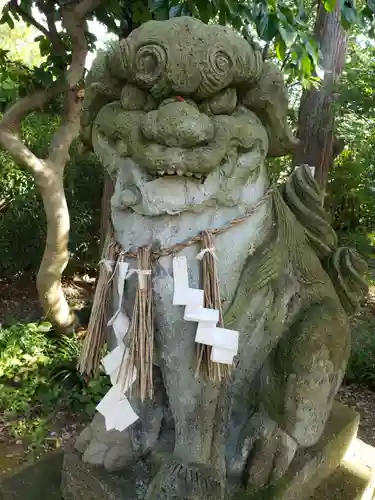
{"x":313,"y":465}
{"x":310,"y":468}
{"x":84,"y":482}
{"x":354,"y":479}
{"x":39,"y":481}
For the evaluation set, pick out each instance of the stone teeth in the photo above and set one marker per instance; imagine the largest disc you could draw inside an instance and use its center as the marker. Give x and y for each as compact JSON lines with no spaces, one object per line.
{"x":161,"y":172}
{"x":189,"y":174}
{"x":170,"y":171}
{"x":198,"y":176}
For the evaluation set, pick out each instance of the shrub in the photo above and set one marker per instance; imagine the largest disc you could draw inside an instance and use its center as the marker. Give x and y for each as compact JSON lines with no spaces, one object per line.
{"x":361,"y":367}
{"x":38,"y":377}
{"x":22,"y":221}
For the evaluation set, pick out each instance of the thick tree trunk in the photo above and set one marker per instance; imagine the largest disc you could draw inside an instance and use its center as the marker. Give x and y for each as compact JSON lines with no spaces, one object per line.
{"x":56,"y":254}
{"x":316,"y":121}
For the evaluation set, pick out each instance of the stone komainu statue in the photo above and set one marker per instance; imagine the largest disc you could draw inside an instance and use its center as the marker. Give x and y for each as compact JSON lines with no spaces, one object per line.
{"x":183,"y":116}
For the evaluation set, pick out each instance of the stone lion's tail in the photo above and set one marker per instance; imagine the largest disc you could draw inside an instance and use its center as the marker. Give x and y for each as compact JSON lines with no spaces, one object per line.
{"x":345,"y":267}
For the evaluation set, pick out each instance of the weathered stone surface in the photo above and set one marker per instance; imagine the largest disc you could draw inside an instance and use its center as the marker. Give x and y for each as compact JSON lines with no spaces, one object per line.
{"x":185,"y":133}
{"x":40,"y":481}
{"x":309,"y":468}
{"x":344,"y":485}
{"x":354,"y":479}
{"x":84,"y":482}
{"x":313,"y":465}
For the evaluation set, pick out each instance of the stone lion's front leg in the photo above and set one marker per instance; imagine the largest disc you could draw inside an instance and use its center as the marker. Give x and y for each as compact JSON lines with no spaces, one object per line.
{"x":306,"y":370}
{"x":196,"y":469}
{"x":272,"y":455}
{"x":116,"y":450}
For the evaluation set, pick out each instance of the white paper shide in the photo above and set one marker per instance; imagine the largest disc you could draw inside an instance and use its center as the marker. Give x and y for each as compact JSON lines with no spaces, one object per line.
{"x":224,"y":342}
{"x":115,"y":406}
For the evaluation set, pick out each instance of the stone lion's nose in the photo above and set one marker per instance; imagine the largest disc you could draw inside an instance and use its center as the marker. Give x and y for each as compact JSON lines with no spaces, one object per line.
{"x":178,"y":124}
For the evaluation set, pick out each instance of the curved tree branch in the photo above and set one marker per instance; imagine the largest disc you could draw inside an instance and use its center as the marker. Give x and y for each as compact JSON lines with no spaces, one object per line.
{"x":85,"y":7}
{"x":69,"y":126}
{"x":28,"y":18}
{"x":54,"y":37}
{"x":21,"y":154}
{"x":20,"y":109}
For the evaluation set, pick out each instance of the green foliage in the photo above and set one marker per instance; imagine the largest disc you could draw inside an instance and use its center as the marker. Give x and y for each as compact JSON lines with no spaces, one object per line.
{"x":351,"y":187}
{"x":83,"y":187}
{"x":350,"y":193}
{"x":38,"y":378}
{"x":18,"y":55}
{"x":19,"y":43}
{"x":285,"y":24}
{"x":22,"y":221}
{"x":361,"y":368}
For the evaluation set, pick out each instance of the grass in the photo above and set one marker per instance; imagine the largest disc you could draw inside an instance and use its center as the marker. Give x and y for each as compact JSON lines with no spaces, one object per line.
{"x":38,"y":379}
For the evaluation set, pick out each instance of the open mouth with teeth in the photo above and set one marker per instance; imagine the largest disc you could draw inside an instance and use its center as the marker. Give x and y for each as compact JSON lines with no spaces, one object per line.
{"x":180,"y":173}
{"x":177,"y":158}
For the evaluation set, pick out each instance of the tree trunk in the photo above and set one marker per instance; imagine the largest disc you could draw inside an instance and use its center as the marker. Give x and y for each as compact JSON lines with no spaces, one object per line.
{"x":49,"y":173}
{"x":56,"y":254}
{"x":316,"y":120}
{"x":108,"y":189}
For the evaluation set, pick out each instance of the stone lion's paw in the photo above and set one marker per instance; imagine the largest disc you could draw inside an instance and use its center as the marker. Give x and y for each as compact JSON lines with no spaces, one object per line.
{"x":111,"y":449}
{"x":273,"y":454}
{"x":83,"y":440}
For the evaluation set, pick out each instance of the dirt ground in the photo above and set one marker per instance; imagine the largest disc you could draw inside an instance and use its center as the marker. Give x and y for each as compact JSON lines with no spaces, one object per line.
{"x":19,"y":299}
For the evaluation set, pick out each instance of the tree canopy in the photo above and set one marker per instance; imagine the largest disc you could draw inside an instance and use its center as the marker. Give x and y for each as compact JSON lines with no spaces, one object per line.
{"x":284,"y":26}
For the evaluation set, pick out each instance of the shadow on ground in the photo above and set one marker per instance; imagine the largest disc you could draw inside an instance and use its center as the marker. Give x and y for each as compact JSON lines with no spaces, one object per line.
{"x":40,"y":481}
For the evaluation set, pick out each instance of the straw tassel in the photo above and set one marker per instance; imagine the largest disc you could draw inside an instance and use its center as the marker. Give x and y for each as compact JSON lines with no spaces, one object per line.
{"x":214,"y":371}
{"x":91,"y":354}
{"x":141,"y":331}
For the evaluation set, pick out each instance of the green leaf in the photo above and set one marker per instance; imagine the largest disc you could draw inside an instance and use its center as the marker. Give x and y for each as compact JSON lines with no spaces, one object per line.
{"x":288,"y":34}
{"x":7,"y":18}
{"x":155,"y":5}
{"x":285,"y":14}
{"x":280,"y":47}
{"x":305,"y":64}
{"x":44,"y":46}
{"x":205,"y":11}
{"x":349,"y":14}
{"x":330,"y":5}
{"x":267,"y":26}
{"x":44,"y":327}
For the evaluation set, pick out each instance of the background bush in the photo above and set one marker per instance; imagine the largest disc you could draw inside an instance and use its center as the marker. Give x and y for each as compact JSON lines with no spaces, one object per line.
{"x":38,"y":378}
{"x":22,"y":220}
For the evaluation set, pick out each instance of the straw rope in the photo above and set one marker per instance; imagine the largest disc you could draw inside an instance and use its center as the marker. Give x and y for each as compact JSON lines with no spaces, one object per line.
{"x":141,"y":328}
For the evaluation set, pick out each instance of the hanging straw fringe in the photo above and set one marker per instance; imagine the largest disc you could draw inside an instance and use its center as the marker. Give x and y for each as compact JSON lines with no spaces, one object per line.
{"x":94,"y":341}
{"x":141,"y":330}
{"x":93,"y":344}
{"x":210,"y":280}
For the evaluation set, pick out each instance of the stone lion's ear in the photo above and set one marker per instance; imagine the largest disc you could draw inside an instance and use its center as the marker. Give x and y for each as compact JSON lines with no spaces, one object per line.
{"x":269,"y":100}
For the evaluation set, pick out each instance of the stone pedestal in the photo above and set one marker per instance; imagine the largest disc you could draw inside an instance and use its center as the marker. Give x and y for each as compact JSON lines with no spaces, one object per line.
{"x":82,"y":482}
{"x":308,"y":470}
{"x":312,"y":466}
